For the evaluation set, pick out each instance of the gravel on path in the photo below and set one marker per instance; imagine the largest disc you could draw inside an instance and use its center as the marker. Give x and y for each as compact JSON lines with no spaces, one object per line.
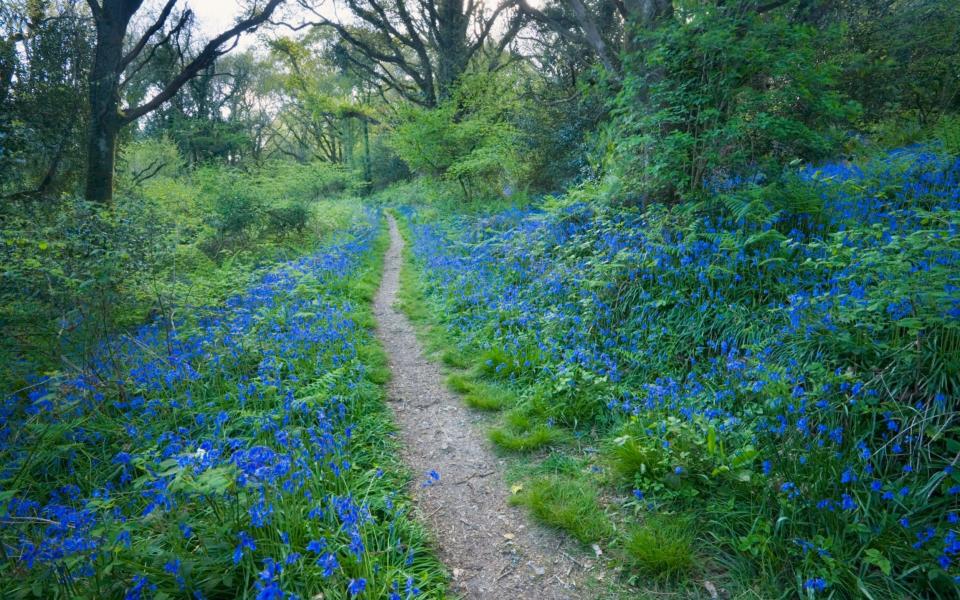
{"x":491,"y":549}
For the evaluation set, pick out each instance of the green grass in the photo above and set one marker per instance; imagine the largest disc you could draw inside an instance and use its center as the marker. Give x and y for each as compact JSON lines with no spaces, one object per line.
{"x":662,"y":546}
{"x":627,"y":457}
{"x":455,"y":358}
{"x":523,"y":433}
{"x":482,"y":395}
{"x":569,"y":504}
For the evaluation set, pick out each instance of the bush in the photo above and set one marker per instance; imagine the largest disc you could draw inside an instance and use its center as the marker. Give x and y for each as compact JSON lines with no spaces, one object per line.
{"x":279,"y":181}
{"x":291,"y":218}
{"x":947,"y":131}
{"x":470,"y":140}
{"x":726,"y":96}
{"x":75,"y":271}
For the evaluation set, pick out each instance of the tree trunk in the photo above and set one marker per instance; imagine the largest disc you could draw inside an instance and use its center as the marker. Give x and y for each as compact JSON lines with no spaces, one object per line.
{"x":452,"y":47}
{"x":367,"y":170}
{"x":101,"y":156}
{"x":105,"y":121}
{"x":8,"y":64}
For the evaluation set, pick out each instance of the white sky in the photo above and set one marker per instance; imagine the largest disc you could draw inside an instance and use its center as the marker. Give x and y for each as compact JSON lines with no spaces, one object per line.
{"x":214,"y":16}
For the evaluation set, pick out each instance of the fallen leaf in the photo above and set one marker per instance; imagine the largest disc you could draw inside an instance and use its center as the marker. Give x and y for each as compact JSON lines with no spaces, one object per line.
{"x":515,"y":489}
{"x":509,"y":536}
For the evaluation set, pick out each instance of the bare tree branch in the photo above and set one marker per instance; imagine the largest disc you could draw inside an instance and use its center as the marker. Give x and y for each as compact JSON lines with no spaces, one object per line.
{"x":149,"y":33}
{"x":184,"y":19}
{"x":210,"y":52}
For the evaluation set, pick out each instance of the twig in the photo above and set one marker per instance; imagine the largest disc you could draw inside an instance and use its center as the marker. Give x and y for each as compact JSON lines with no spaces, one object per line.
{"x":573,"y":560}
{"x":469,"y":477}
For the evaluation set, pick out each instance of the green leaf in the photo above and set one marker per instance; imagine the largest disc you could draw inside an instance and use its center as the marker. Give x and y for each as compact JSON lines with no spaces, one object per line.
{"x":873,"y":557}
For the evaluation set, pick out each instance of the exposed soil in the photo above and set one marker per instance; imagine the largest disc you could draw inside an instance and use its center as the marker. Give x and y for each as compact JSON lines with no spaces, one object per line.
{"x":491,"y":549}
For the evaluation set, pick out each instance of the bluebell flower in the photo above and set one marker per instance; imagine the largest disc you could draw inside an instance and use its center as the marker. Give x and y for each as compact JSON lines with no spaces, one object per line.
{"x":432,"y":478}
{"x":329,"y":563}
{"x":356,"y":586}
{"x":815,"y":584}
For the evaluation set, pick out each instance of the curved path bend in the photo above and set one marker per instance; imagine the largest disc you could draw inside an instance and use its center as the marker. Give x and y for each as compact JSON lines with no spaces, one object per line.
{"x":491,"y":549}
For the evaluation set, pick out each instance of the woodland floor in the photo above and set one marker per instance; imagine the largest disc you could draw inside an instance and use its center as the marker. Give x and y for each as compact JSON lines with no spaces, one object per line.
{"x":491,"y":549}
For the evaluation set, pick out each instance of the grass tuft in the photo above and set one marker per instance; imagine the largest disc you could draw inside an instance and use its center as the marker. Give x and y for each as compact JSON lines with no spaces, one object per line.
{"x":459,"y":383}
{"x":628,"y":457}
{"x":568,"y":504}
{"x":662,"y":547}
{"x":481,"y":395}
{"x":453,"y":357}
{"x":521,"y":433}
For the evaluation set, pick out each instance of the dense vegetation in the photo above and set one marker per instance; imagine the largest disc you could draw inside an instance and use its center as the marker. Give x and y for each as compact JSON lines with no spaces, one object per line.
{"x":698,"y":258}
{"x":773,"y":384}
{"x":240,"y":446}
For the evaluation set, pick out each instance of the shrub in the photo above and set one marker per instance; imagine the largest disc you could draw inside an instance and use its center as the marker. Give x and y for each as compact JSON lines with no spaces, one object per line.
{"x":947,"y":131}
{"x":287,"y":219}
{"x":725,"y":95}
{"x":470,"y":140}
{"x":74,"y":271}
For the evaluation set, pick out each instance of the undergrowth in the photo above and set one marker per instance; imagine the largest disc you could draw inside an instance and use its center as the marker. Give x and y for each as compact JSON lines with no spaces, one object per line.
{"x":247,"y":451}
{"x":776,"y":362}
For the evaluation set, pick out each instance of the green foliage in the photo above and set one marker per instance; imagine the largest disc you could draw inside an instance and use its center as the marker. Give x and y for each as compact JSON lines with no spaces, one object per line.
{"x":662,"y":546}
{"x":632,"y":456}
{"x":560,"y":136}
{"x":72,"y":269}
{"x":777,"y":360}
{"x":482,"y":395}
{"x":947,"y":131}
{"x":901,"y":59}
{"x":569,"y":504}
{"x":290,"y":218}
{"x":43,"y":89}
{"x":144,"y":159}
{"x":305,"y":182}
{"x":235,"y":209}
{"x":75,"y":271}
{"x":522,"y":432}
{"x":470,"y":139}
{"x":725,"y":94}
{"x":185,"y":537}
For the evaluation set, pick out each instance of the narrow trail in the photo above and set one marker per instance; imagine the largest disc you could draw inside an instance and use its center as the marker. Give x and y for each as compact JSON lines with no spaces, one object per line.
{"x":492,"y":549}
